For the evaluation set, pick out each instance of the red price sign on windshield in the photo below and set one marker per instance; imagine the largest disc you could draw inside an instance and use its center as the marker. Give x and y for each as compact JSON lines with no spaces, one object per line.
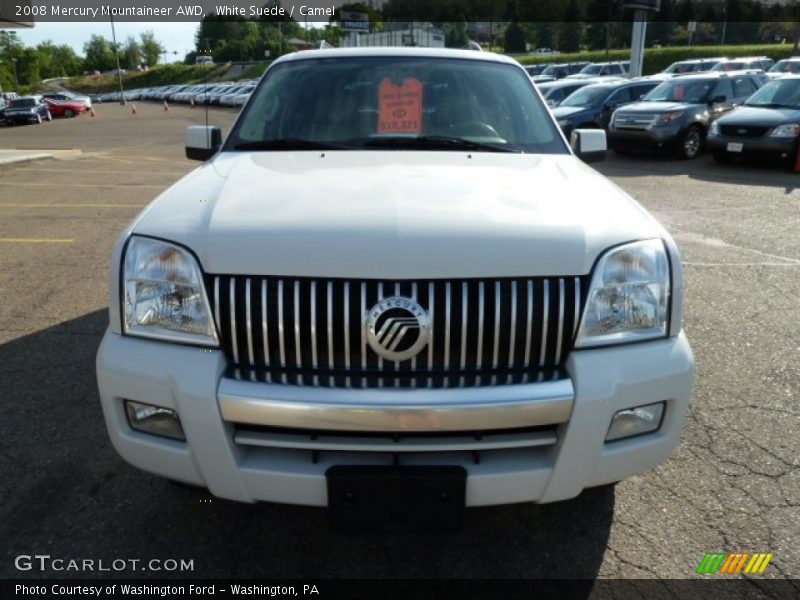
{"x":400,"y":109}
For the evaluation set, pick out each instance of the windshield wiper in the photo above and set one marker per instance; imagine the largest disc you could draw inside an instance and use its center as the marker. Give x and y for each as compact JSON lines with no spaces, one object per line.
{"x":433,"y":141}
{"x":290,"y":144}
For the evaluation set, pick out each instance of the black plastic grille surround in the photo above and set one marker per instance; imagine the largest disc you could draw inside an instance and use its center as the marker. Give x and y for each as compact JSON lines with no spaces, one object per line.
{"x":483,"y":331}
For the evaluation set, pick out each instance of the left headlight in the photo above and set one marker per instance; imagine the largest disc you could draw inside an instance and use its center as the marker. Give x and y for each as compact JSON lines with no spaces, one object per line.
{"x":163,"y":294}
{"x":628,"y":300}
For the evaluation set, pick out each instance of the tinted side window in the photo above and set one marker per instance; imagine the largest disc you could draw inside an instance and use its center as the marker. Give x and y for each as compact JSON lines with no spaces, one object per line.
{"x":723,"y":88}
{"x":743,"y":86}
{"x":619,"y":97}
{"x":640,"y":90}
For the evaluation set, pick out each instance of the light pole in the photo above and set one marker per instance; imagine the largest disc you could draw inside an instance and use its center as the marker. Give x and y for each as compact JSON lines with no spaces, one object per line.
{"x":16,"y":81}
{"x":116,"y":55}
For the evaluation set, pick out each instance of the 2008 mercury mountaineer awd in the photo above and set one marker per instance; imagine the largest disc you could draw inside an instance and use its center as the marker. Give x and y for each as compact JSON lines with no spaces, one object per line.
{"x":395,"y":273}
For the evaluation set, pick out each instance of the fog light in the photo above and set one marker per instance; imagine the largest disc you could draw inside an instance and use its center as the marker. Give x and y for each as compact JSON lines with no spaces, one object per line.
{"x":635,"y":421}
{"x":155,"y":420}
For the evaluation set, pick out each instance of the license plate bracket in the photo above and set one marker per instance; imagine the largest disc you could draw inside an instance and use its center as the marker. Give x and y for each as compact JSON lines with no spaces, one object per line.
{"x":396,"y":498}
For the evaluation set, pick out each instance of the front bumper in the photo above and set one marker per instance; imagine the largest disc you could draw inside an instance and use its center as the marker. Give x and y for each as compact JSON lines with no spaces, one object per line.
{"x":20,"y":117}
{"x":652,"y":138}
{"x":229,"y":452}
{"x":765,"y":145}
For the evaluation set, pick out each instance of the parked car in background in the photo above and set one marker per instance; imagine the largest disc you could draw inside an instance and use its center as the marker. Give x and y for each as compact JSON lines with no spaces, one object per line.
{"x":559,"y":71}
{"x":591,"y":106}
{"x":618,"y":69}
{"x":27,"y":109}
{"x":554,"y":92}
{"x":69,"y":96}
{"x":763,"y":63}
{"x":784,"y":67}
{"x":676,"y":115}
{"x":767,"y":124}
{"x":684,"y":67}
{"x":65,"y":108}
{"x":536,"y":69}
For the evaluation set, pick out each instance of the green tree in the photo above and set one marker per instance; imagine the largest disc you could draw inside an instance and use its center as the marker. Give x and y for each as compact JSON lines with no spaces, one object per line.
{"x":58,"y":61}
{"x":455,"y":34}
{"x":131,"y":53}
{"x":570,"y":30}
{"x":99,"y":54}
{"x":515,"y":39}
{"x":151,"y":48}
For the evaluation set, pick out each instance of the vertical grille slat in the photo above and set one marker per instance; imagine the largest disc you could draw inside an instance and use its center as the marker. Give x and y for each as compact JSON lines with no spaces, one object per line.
{"x":281,"y":332}
{"x":264,"y":329}
{"x":560,"y":330}
{"x":249,"y":312}
{"x":234,"y":340}
{"x":308,"y":331}
{"x":546,"y":313}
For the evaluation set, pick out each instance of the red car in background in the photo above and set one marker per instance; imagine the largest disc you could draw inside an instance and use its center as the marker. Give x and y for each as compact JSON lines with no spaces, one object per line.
{"x":65,"y":108}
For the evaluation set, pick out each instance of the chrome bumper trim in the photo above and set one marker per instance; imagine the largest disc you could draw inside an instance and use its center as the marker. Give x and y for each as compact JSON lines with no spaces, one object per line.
{"x":394,"y":410}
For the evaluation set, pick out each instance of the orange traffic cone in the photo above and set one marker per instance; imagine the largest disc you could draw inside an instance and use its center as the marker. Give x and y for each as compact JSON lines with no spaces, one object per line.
{"x":166,"y":106}
{"x":133,"y":109}
{"x":191,"y":103}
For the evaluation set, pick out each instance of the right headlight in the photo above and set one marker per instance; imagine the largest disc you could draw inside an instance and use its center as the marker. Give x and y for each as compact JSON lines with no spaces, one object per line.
{"x":628,"y":299}
{"x":163,"y":294}
{"x":785,"y":131}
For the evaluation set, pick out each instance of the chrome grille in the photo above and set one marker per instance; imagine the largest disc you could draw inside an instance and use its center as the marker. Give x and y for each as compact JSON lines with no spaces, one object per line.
{"x":743,"y":130}
{"x":624,"y":120}
{"x":307,"y":331}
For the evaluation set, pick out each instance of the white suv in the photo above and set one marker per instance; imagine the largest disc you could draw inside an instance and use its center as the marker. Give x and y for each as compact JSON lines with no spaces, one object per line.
{"x":395,"y":280}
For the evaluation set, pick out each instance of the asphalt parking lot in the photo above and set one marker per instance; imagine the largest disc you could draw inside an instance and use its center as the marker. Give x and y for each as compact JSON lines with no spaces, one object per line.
{"x":733,"y":484}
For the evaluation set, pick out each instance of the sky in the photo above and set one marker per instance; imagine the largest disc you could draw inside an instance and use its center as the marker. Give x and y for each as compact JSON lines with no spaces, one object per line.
{"x":173,"y":36}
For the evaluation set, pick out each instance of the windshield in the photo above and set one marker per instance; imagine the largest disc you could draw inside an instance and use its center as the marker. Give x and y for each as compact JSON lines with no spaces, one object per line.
{"x":786,"y":66}
{"x":396,"y":102}
{"x":591,"y":69}
{"x":694,"y":91}
{"x":781,"y":93}
{"x":734,"y":65}
{"x":683,"y":68}
{"x":22,"y":103}
{"x":553,"y":70}
{"x":589,"y":96}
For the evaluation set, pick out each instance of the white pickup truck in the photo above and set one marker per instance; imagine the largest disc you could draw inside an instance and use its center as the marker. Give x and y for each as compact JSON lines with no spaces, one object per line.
{"x":395,"y":282}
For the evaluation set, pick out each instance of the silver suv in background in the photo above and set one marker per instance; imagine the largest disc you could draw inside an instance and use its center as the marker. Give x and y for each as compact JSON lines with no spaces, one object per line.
{"x":676,"y":115}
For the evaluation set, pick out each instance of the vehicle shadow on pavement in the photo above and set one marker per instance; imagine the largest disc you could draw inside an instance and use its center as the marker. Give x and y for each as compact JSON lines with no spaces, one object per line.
{"x":69,"y":495}
{"x":763,"y":173}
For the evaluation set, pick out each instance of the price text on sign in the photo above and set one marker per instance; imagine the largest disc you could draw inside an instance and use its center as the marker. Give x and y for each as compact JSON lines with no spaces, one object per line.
{"x":400,"y":108}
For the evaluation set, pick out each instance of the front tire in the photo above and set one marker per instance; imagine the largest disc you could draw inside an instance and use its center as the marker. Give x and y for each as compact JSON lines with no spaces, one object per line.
{"x":69,"y":113}
{"x":691,"y":143}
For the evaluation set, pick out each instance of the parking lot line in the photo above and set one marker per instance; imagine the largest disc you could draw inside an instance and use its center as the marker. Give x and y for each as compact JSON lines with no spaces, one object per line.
{"x":33,"y":241}
{"x":104,"y":171}
{"x":67,"y":205}
{"x":83,"y":185}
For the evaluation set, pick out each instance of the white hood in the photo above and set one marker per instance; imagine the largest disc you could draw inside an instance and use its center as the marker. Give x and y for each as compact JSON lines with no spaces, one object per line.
{"x":396,"y":215}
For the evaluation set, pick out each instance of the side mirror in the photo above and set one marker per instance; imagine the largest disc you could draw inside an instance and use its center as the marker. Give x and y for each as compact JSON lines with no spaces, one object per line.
{"x":589,"y":144}
{"x":202,"y":142}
